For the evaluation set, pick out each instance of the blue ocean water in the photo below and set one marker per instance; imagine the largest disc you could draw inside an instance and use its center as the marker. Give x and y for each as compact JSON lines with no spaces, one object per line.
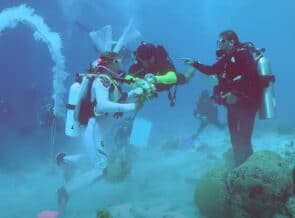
{"x":187,"y":29}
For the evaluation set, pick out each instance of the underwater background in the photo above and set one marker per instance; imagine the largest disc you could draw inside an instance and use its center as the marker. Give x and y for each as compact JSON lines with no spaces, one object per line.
{"x":161,"y":180}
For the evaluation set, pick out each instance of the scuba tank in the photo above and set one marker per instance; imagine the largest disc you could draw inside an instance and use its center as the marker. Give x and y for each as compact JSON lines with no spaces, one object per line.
{"x":72,"y":127}
{"x":267,"y":108}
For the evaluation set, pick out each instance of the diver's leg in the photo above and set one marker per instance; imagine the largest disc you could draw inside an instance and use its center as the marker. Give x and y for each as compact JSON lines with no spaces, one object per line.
{"x":232,"y":120}
{"x":94,"y":147}
{"x":72,"y":182}
{"x":246,"y":125}
{"x":93,"y":141}
{"x":202,"y":126}
{"x":69,"y":163}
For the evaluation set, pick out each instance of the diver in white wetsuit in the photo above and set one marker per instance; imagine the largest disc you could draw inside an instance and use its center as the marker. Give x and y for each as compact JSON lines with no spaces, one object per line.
{"x":104,"y":100}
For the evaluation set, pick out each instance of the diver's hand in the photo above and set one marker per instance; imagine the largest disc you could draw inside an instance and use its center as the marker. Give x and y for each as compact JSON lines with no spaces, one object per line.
{"x":135,"y":92}
{"x":150,"y":78}
{"x":188,"y":61}
{"x":138,"y":105}
{"x":230,"y":98}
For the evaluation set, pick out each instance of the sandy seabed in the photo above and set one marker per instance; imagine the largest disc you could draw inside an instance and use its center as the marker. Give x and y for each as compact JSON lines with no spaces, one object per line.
{"x":161,"y":183}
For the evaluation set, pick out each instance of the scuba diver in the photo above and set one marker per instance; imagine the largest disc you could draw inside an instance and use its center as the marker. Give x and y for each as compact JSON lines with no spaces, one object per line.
{"x":99,"y":98}
{"x":206,"y":111}
{"x":153,"y":64}
{"x":240,"y":89}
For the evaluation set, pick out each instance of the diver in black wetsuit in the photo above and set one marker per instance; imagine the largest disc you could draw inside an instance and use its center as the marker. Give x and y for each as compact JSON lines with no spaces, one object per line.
{"x":206,"y":111}
{"x":239,"y":90}
{"x":153,"y":62}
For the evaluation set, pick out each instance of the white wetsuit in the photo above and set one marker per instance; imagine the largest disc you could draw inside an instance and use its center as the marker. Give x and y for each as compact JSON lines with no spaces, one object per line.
{"x":96,"y":130}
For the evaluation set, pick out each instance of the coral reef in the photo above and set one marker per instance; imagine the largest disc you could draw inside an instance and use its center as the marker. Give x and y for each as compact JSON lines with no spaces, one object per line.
{"x":260,"y":187}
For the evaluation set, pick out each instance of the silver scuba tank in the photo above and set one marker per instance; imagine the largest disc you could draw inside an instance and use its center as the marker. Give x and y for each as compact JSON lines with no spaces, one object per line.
{"x":267,"y":108}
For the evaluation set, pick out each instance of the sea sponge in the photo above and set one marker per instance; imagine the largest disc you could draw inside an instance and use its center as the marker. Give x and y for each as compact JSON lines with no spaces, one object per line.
{"x":103,"y":213}
{"x":262,"y":185}
{"x":211,"y":195}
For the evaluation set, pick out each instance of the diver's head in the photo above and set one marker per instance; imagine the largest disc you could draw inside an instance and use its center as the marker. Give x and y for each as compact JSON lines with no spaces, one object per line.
{"x":228,"y":40}
{"x":145,"y":54}
{"x":111,"y":60}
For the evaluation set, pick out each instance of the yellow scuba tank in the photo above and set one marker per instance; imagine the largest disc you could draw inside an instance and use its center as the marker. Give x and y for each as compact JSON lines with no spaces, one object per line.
{"x":72,"y":127}
{"x":267,"y":108}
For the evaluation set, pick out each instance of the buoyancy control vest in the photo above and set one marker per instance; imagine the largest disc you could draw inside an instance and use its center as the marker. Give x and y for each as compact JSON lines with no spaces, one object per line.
{"x":80,"y":107}
{"x":267,"y":107}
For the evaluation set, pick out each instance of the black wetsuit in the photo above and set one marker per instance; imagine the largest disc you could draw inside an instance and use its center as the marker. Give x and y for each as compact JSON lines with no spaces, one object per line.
{"x":206,"y":108}
{"x":237,"y":73}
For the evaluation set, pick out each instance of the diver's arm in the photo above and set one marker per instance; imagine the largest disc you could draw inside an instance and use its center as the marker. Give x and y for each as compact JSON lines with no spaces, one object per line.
{"x":183,"y":78}
{"x":167,"y":79}
{"x":103,"y":103}
{"x":210,"y":69}
{"x":130,"y":80}
{"x":189,"y":73}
